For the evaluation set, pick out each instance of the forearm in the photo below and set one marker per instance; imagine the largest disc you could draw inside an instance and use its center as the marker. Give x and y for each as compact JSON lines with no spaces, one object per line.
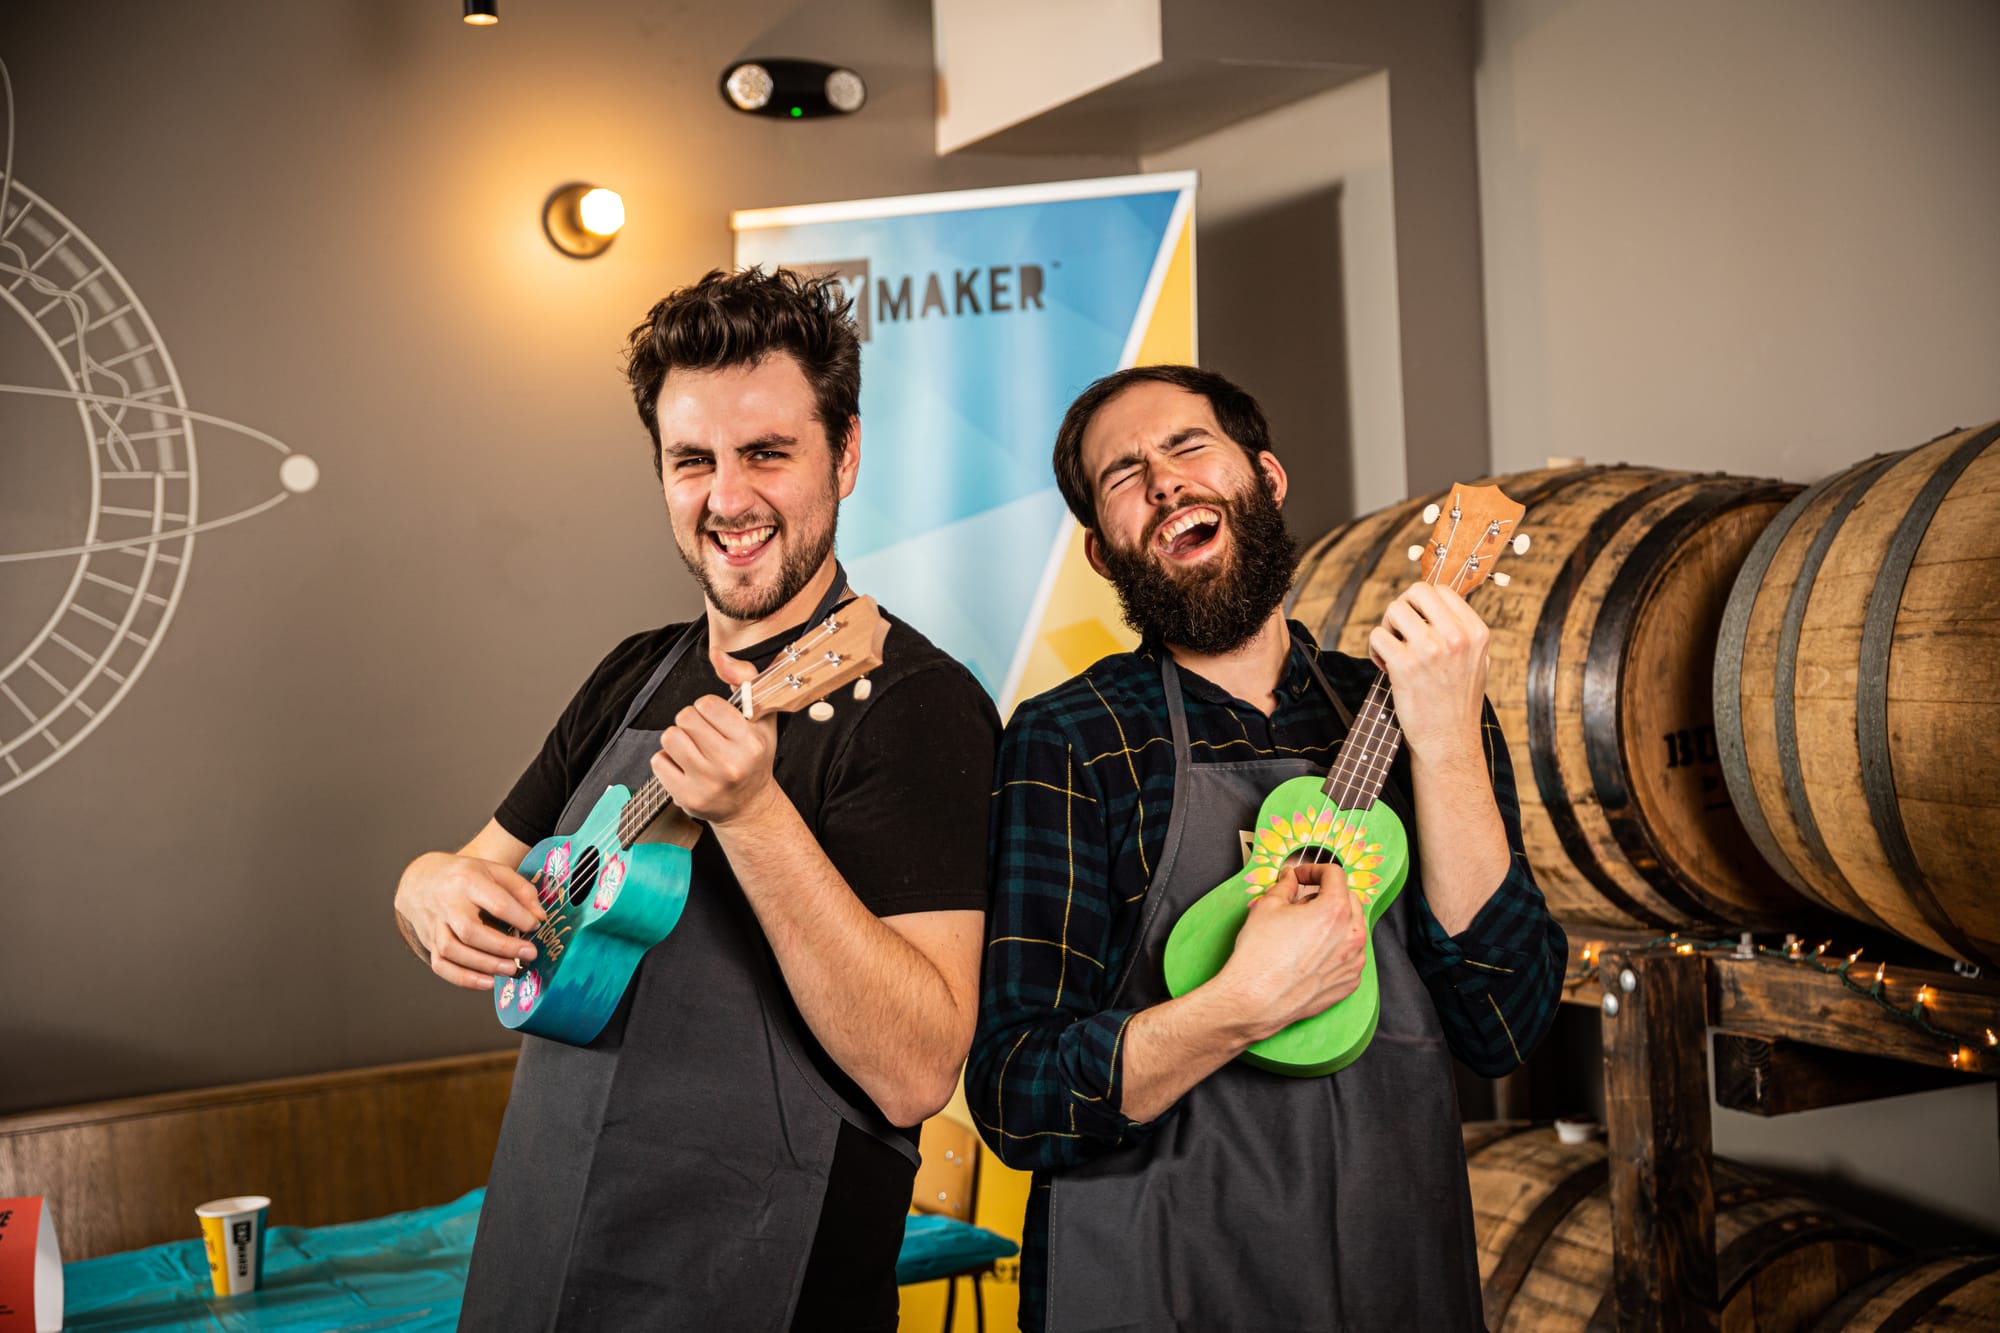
{"x":881,"y":1009}
{"x":1459,"y":832}
{"x":1174,"y":1045}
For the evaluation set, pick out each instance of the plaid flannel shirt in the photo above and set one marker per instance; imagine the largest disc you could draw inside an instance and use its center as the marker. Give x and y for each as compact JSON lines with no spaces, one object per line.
{"x":1086,"y":780}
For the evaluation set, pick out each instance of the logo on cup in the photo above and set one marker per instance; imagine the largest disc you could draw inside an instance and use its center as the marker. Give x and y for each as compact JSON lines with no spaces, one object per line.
{"x":239,"y":1233}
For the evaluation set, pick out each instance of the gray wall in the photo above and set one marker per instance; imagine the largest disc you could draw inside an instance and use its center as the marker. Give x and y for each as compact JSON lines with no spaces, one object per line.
{"x":1756,"y":238}
{"x":332,"y":213}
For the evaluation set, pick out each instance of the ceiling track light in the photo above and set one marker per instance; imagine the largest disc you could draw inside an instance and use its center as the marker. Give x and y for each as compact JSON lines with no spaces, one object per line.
{"x":582,"y":220}
{"x":482,"y":13}
{"x":793,"y":89}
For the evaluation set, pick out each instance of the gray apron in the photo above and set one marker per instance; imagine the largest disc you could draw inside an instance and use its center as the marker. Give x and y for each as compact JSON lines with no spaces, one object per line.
{"x":669,"y":1175}
{"x":1271,"y":1203}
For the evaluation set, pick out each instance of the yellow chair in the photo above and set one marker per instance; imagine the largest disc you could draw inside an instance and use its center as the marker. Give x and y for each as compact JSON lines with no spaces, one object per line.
{"x":947,"y":1185}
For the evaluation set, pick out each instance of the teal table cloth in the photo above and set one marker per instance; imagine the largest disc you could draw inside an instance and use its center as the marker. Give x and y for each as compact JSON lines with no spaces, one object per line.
{"x":405,"y":1272}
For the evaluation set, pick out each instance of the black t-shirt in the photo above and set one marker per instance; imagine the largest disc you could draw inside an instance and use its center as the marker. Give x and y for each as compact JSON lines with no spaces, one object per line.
{"x":897,"y":792}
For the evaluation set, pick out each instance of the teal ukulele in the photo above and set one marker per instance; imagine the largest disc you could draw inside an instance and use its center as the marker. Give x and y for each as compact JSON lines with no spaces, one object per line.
{"x":1341,"y":819}
{"x":615,"y":887}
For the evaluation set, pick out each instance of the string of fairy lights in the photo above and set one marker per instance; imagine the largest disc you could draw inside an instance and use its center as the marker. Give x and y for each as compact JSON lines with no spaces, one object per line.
{"x":1960,"y":1045}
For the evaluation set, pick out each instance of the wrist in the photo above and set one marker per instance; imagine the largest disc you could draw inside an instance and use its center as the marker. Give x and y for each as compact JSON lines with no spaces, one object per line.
{"x":761,"y":812}
{"x":1232,"y":1015}
{"x":1462,"y":752}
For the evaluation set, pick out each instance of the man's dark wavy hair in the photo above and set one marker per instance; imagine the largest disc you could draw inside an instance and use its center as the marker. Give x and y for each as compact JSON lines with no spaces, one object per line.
{"x":1235,"y":411}
{"x":737,"y":319}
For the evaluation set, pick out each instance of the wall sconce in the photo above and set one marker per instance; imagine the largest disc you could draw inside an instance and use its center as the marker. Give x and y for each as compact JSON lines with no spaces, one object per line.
{"x":581,"y":220}
{"x":482,"y":13}
{"x":793,"y":89}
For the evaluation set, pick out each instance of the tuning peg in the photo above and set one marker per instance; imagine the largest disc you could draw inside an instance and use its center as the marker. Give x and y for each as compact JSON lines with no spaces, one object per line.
{"x":1502,"y":580}
{"x":1430,"y":513}
{"x":863,"y":688}
{"x":820,"y":711}
{"x":1417,"y":551}
{"x":1520,"y":543}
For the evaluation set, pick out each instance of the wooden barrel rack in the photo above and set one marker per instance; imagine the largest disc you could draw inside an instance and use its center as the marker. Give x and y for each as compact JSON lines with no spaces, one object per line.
{"x":1813,"y":1043}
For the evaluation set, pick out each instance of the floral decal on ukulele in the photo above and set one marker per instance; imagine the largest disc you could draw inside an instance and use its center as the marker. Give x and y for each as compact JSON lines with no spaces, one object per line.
{"x":506,"y":992}
{"x":531,"y":989}
{"x":609,"y":880}
{"x":1280,"y":837}
{"x":553,"y":871}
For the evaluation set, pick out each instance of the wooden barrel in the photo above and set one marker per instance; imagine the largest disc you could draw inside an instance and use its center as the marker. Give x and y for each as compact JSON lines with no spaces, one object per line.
{"x":1542,"y":1212}
{"x":1961,"y":1292}
{"x":1857,"y":685}
{"x":1601,"y":675}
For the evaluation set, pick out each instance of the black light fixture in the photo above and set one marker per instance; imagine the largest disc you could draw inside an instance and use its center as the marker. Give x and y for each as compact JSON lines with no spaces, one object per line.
{"x":793,"y":89}
{"x":482,"y":13}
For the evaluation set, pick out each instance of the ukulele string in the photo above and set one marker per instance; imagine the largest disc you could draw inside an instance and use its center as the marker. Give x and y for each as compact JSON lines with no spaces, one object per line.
{"x":1342,"y":788}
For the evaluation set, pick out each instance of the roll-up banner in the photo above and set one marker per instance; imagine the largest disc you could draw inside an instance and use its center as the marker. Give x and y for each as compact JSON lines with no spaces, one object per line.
{"x":982,"y":314}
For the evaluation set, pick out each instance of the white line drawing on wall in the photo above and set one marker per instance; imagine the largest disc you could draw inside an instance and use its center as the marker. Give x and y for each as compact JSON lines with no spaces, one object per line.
{"x":138,"y":431}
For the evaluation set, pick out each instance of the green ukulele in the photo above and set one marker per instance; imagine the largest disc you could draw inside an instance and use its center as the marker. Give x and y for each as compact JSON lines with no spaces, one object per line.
{"x":1340,"y":819}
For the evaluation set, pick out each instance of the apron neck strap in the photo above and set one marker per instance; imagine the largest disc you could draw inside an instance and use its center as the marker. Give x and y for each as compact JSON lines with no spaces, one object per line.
{"x":836,"y":595}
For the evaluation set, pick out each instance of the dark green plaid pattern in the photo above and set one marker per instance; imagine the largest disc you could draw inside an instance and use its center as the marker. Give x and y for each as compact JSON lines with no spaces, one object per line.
{"x":1086,"y":781}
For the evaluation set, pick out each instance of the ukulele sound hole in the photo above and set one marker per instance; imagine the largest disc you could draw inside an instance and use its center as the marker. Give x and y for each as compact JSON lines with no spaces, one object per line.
{"x":583,"y":875}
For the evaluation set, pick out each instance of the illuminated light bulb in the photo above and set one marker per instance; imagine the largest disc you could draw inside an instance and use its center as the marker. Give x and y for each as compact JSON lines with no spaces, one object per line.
{"x":582,"y":220}
{"x":1954,"y":1058}
{"x":602,"y":211}
{"x":1923,"y":995}
{"x":1880,"y":968}
{"x":748,"y":87}
{"x":482,"y":13}
{"x":1992,"y":1040}
{"x":1854,"y":957}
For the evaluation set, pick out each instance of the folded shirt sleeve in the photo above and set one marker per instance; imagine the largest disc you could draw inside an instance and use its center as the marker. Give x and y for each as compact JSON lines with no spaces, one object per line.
{"x":1043,"y":1078}
{"x":1496,"y":983}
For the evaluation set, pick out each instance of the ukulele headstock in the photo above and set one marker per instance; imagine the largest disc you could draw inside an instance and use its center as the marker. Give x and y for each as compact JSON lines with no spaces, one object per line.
{"x":842,"y":648}
{"x":1468,"y":536}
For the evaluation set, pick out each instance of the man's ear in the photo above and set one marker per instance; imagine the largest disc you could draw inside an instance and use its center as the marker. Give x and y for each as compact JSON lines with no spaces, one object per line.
{"x":1274,"y":471}
{"x":1091,"y":554}
{"x":849,"y":467}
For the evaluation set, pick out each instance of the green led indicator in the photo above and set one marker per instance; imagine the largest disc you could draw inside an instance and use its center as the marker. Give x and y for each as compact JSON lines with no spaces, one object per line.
{"x":798,"y":111}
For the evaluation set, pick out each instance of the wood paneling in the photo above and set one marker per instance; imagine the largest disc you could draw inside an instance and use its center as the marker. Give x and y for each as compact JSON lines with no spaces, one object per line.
{"x":326,"y":1148}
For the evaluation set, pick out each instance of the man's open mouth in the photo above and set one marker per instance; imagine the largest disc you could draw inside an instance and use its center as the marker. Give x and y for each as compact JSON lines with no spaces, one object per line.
{"x":743,"y":545}
{"x":1189,"y":532}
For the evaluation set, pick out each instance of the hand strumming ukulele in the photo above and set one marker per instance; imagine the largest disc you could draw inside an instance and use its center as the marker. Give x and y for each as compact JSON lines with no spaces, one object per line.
{"x":1339,"y":818}
{"x":615,"y":887}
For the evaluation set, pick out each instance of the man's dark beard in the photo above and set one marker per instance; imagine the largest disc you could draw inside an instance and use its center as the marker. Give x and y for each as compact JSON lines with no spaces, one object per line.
{"x":801,"y":563}
{"x":1203,"y":609}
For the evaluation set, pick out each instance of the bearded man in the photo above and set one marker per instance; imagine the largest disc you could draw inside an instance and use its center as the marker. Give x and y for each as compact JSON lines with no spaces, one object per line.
{"x":735,"y":1150}
{"x":1176,"y":1187}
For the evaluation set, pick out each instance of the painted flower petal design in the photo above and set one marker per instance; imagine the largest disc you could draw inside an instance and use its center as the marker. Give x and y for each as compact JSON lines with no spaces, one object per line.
{"x":1368,"y":863}
{"x":1269,"y":841}
{"x":1324,"y":824}
{"x":1262,"y":876}
{"x":1362,"y":879}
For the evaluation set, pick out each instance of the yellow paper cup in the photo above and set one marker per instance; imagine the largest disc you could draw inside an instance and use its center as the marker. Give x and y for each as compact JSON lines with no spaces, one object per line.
{"x":233,"y":1232}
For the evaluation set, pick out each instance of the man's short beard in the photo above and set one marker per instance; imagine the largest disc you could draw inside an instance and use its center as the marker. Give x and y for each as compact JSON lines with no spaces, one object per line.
{"x":1201,"y":609}
{"x":800,"y":564}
